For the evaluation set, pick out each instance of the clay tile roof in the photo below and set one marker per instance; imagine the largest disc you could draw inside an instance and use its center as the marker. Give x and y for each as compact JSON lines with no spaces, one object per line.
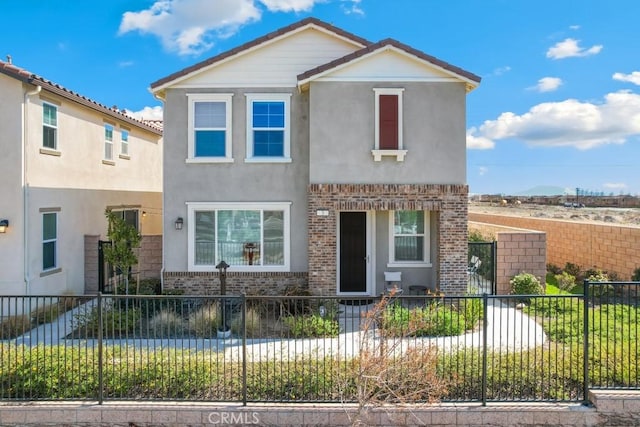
{"x":52,"y":87}
{"x":256,"y":42}
{"x":388,"y":42}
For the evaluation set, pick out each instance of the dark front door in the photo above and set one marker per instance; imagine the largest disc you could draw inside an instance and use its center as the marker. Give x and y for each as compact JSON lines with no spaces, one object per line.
{"x":353,"y":252}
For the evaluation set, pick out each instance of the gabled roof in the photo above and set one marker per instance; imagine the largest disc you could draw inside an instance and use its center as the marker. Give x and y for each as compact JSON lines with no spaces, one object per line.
{"x":155,"y":86}
{"x":25,"y":76}
{"x":471,"y":79}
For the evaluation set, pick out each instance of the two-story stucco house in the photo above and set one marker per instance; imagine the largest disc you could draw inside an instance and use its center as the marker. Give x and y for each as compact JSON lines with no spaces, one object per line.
{"x":65,"y":160}
{"x":311,"y":156}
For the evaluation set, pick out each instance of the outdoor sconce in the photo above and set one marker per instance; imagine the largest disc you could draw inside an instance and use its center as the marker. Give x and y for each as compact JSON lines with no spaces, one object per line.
{"x":4,"y":223}
{"x":179,"y":222}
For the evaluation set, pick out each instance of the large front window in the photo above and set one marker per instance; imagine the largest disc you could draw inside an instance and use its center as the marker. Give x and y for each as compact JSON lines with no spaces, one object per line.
{"x":245,"y":236}
{"x":268,"y":128}
{"x":409,"y":238}
{"x":210,"y":128}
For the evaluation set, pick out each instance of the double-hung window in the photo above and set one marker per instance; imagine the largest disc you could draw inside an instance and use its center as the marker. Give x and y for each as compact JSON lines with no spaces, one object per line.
{"x":124,"y":142}
{"x":108,"y":142}
{"x":49,"y":240}
{"x":49,"y":126}
{"x":209,"y":138}
{"x":247,"y":236}
{"x":268,"y":127}
{"x":409,"y":238}
{"x":388,"y":124}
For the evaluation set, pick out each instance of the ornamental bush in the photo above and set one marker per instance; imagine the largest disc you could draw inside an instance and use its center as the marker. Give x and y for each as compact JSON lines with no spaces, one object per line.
{"x":526,"y":284}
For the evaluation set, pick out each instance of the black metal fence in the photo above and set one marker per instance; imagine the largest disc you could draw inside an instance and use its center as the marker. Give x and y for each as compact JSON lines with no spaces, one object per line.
{"x":482,"y":267}
{"x":480,"y":348}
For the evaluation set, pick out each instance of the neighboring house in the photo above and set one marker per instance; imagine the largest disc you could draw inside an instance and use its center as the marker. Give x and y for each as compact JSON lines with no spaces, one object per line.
{"x":65,"y":160}
{"x":311,"y":156}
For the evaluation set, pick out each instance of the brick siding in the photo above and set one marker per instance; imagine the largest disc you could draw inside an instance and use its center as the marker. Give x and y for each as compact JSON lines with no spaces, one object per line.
{"x":249,"y":283}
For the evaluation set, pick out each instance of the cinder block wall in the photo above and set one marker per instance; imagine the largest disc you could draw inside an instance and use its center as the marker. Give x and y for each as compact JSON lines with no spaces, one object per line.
{"x":609,"y":247}
{"x":518,"y":251}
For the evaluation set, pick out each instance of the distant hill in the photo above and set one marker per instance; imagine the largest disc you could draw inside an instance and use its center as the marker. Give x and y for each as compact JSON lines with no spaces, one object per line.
{"x":544,"y":190}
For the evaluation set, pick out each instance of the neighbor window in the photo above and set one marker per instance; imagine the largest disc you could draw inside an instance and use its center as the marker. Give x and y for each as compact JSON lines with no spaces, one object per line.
{"x":388,"y":124}
{"x":209,"y":137}
{"x":49,"y":240}
{"x":268,"y":127}
{"x":49,"y":126}
{"x":108,"y":142}
{"x":245,"y":236}
{"x":409,"y":238}
{"x":124,"y":142}
{"x":130,"y":217}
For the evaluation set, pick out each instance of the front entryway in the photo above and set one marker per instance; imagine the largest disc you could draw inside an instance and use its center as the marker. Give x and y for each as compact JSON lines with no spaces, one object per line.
{"x":353,"y":253}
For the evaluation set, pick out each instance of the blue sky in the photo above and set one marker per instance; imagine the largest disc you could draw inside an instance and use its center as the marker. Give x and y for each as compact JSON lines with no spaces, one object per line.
{"x":559,"y":102}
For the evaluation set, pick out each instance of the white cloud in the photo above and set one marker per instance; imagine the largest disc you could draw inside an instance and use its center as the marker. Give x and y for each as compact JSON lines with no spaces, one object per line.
{"x":582,"y":125}
{"x":574,"y":27}
{"x":570,"y":48}
{"x":147,"y":113}
{"x":125,"y":64}
{"x":634,"y":77}
{"x":500,"y":71}
{"x":548,"y":84}
{"x":288,"y":5}
{"x":189,"y":26}
{"x":615,"y":185}
{"x":482,"y":170}
{"x":478,"y":142}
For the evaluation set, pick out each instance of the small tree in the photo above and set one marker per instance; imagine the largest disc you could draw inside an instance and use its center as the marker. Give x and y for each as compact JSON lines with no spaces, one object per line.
{"x":124,"y":238}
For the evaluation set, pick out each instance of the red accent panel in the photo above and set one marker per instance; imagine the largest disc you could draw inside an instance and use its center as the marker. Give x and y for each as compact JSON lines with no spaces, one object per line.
{"x":388,"y":122}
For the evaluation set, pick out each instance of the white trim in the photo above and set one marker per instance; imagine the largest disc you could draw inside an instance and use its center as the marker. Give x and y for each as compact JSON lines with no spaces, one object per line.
{"x":257,"y":97}
{"x":193,"y":98}
{"x":426,"y":250}
{"x":192,"y":207}
{"x":377,"y":152}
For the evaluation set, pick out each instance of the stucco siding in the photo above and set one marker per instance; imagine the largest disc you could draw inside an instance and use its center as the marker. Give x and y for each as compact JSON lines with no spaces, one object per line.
{"x":233,"y":182}
{"x":342,"y":134}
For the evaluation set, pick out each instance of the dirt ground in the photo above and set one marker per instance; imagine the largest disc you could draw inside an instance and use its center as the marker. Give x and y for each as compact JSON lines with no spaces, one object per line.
{"x":620,"y":216}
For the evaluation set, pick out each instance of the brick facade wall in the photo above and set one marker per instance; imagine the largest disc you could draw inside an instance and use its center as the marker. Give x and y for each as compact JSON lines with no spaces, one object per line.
{"x":609,"y":247}
{"x":249,"y":283}
{"x":449,"y":202}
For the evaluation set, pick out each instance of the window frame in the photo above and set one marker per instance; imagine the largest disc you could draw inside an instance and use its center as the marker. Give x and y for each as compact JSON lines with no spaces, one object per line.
{"x":47,"y":125}
{"x":108,"y":142}
{"x":285,"y":207}
{"x":193,"y":99}
{"x":268,"y":97}
{"x":124,"y":141}
{"x":426,"y":250}
{"x":53,"y":240}
{"x":377,"y":152}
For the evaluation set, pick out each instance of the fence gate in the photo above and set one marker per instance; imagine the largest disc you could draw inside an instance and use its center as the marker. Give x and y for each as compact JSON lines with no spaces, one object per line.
{"x":482,"y":268}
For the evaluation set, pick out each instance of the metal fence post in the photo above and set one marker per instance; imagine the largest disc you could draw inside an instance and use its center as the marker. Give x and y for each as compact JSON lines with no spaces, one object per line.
{"x":585,"y":361}
{"x":485,"y":325}
{"x":244,"y":350}
{"x":100,"y":355}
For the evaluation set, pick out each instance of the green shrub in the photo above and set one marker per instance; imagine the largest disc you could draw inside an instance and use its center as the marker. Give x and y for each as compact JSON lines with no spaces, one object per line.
{"x":471,"y":309}
{"x":116,"y":323}
{"x":526,"y":284}
{"x":433,"y":320}
{"x":312,"y":325}
{"x":600,"y":288}
{"x":205,"y":321}
{"x":553,"y":269}
{"x":565,"y":281}
{"x":252,"y":323}
{"x":574,"y":270}
{"x":636,"y":275}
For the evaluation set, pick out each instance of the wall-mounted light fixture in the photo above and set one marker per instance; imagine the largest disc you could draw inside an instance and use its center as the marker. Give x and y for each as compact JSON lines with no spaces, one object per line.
{"x":179,"y":222}
{"x":4,"y":223}
{"x":144,"y":214}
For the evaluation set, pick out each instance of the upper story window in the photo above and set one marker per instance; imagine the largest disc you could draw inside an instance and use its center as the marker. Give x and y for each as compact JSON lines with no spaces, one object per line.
{"x":108,"y":142}
{"x":247,"y":236}
{"x":209,"y":137}
{"x":268,"y":128}
{"x":409,"y":239}
{"x":124,"y":142}
{"x":49,"y":126}
{"x":388,"y":124}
